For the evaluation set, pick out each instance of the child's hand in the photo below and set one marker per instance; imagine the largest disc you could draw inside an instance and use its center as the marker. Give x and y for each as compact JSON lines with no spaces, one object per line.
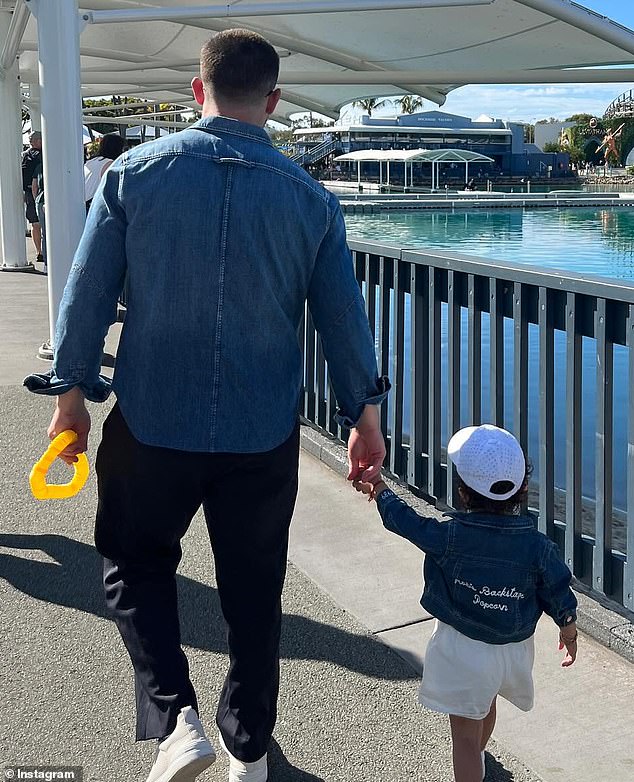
{"x":369,"y":488}
{"x":568,"y":640}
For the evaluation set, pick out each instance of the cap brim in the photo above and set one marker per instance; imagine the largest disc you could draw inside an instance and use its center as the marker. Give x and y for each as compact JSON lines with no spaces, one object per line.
{"x":455,"y":445}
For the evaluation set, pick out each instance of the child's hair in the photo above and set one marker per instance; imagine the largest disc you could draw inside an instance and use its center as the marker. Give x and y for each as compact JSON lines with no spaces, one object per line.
{"x":473,"y":501}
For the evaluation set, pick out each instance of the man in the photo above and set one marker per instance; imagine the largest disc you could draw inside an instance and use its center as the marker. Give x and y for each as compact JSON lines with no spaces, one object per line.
{"x":222,"y":240}
{"x":30,"y":160}
{"x":37,"y":190}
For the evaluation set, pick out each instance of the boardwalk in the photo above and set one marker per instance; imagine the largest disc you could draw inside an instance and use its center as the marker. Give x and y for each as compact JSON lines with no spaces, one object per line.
{"x":352,"y":640}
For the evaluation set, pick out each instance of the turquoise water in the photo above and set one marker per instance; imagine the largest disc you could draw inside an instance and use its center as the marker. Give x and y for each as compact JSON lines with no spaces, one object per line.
{"x":587,"y":241}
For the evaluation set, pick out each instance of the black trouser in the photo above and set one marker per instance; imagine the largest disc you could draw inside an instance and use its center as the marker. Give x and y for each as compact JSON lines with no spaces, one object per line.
{"x":147,"y":498}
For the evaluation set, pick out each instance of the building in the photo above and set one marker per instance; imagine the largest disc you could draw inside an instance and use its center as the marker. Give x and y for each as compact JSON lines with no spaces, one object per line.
{"x":498,"y":139}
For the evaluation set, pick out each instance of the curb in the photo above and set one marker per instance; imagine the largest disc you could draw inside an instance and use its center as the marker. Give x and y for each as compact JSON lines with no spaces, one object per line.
{"x":594,"y":618}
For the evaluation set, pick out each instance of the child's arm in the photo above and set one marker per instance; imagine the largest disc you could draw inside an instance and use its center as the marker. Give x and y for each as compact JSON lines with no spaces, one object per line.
{"x":568,"y":638}
{"x":558,"y":600}
{"x":429,"y":534}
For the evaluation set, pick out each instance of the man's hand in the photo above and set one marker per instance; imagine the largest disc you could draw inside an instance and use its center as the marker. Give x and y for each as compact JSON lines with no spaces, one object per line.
{"x":70,"y":413}
{"x":569,"y":640}
{"x":366,"y":447}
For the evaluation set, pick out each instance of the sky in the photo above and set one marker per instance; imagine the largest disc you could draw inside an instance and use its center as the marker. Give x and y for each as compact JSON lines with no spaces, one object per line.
{"x":529,"y":103}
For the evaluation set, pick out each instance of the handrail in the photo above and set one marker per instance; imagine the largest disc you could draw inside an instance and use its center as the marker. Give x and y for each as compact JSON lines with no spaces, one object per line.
{"x":549,"y":355}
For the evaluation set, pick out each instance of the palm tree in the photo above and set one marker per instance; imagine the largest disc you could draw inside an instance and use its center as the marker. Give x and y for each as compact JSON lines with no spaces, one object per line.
{"x":410,"y":103}
{"x":369,"y":104}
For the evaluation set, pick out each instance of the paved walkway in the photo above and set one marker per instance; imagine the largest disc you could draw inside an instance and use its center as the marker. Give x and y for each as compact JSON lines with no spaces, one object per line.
{"x":353,"y":634}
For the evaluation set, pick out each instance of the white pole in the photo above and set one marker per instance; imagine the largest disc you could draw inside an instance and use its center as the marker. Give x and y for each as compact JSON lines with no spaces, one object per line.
{"x":12,"y":221}
{"x":388,"y":173}
{"x":359,"y":174}
{"x":34,"y":104}
{"x":58,"y":43}
{"x":466,"y":172}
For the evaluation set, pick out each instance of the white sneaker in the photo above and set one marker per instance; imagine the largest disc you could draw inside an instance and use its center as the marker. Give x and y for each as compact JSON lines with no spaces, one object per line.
{"x":245,"y":772}
{"x":185,"y":753}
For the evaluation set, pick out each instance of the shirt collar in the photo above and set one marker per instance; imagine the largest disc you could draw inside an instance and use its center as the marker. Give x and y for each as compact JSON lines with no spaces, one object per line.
{"x":235,"y":127}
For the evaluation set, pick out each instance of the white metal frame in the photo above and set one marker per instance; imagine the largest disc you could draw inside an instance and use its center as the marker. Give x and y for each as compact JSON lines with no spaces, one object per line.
{"x":59,"y":68}
{"x":229,"y":11}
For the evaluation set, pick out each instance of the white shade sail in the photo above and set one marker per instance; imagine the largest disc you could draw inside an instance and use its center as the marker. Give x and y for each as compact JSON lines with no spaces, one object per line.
{"x":336,"y":52}
{"x":413,"y":155}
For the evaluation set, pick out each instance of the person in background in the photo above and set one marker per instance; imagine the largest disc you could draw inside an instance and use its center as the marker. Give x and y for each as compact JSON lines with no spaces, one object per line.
{"x":489,"y":575}
{"x":30,"y":160}
{"x":37,"y":191}
{"x":110,"y":147}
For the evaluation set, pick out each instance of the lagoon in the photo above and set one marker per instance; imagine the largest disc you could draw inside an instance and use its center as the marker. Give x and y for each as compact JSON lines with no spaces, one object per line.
{"x":592,"y":241}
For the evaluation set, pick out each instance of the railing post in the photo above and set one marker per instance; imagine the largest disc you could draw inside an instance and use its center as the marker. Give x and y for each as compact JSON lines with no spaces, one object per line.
{"x":628,"y":570}
{"x":573,"y":437}
{"x":398,"y":355}
{"x":433,"y":446}
{"x":454,"y":339}
{"x":496,"y":334}
{"x":474,"y":362}
{"x":419,"y":405}
{"x":546,"y":414}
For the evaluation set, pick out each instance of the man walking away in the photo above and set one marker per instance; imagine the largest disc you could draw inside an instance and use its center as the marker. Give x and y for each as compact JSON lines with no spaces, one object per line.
{"x":222,"y":240}
{"x":30,"y":160}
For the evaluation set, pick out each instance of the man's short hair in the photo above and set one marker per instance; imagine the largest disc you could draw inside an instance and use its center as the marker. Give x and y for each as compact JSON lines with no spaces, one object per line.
{"x":35,"y":136}
{"x":239,"y":66}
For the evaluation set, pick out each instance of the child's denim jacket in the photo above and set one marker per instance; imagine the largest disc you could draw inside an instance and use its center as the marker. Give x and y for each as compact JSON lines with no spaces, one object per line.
{"x":490,"y":577}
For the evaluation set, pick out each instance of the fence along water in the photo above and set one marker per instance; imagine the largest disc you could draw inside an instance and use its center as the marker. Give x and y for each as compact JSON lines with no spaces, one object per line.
{"x":467,"y":340}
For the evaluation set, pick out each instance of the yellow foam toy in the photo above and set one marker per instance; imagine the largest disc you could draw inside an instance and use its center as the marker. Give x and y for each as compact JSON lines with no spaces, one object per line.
{"x":48,"y":491}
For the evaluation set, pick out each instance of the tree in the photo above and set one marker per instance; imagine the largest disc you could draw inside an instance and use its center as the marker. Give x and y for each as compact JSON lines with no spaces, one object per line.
{"x":552,"y":146}
{"x":580,"y":119}
{"x":409,"y":103}
{"x":549,"y":121}
{"x":369,"y":104}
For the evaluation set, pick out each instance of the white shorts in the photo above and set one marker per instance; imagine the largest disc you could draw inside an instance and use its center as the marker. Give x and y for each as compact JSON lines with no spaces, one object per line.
{"x":462,"y":676}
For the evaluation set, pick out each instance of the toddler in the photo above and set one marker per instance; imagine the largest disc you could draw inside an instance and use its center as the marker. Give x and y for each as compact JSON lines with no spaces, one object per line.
{"x":489,"y":576}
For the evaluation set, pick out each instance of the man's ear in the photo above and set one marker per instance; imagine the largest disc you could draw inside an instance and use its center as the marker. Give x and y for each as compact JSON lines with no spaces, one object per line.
{"x":273,"y":100}
{"x":198,"y":90}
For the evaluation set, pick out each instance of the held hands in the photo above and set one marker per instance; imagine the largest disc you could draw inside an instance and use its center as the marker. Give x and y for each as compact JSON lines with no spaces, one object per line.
{"x":366,"y":447}
{"x":568,"y":639}
{"x":370,"y":488}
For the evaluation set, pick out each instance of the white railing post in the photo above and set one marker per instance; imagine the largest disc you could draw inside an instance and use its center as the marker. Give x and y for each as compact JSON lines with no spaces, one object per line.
{"x":12,"y":220}
{"x":60,"y":101}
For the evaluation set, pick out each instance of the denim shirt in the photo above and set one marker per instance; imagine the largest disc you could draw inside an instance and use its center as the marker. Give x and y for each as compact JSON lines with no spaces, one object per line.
{"x":221,"y":240}
{"x":490,"y":577}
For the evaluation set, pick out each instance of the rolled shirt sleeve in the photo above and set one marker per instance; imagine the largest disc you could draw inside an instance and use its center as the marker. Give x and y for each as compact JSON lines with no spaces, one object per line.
{"x":89,"y":303}
{"x":338,"y":311}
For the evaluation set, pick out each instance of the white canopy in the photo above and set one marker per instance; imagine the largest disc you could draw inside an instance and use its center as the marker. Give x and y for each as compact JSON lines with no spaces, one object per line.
{"x":332,"y":52}
{"x":335,"y":51}
{"x":381,"y":155}
{"x":414,"y":155}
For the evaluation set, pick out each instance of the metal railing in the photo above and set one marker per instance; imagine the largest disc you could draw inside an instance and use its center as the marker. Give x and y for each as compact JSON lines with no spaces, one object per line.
{"x":316,"y":153}
{"x":467,"y":340}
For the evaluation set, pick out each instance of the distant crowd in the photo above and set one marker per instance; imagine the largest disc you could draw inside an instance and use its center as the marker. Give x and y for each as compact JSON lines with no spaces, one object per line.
{"x":108,"y":149}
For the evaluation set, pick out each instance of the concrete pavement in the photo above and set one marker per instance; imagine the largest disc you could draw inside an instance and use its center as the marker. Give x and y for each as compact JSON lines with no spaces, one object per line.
{"x":353,"y":634}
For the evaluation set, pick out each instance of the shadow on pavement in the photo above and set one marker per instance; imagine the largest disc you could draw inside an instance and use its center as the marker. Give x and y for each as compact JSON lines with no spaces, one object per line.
{"x":74,"y":581}
{"x":496,"y":771}
{"x":283,"y":771}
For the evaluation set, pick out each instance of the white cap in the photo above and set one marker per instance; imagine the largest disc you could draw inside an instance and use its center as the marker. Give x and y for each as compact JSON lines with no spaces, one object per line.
{"x":484,"y":455}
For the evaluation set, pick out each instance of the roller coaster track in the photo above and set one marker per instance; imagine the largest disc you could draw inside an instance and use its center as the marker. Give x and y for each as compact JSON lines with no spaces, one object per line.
{"x":621,"y":107}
